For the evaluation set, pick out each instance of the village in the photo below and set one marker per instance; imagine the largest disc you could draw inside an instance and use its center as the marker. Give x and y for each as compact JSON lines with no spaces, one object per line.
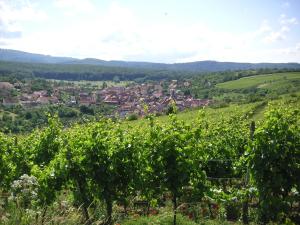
{"x":132,"y":99}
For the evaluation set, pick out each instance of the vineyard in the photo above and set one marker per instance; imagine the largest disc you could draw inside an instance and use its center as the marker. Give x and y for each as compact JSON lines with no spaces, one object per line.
{"x":187,"y":170}
{"x":266,"y":81}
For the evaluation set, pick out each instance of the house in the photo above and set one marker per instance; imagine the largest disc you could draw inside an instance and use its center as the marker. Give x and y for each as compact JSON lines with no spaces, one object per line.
{"x":158,"y":87}
{"x":10,"y":101}
{"x":42,"y":100}
{"x":42,"y":93}
{"x":125,"y":109}
{"x":54,"y":100}
{"x":200,"y":102}
{"x":172,"y":92}
{"x":26,"y":97}
{"x":83,"y":95}
{"x":18,"y":85}
{"x":157,"y":94}
{"x":28,"y":103}
{"x":87,"y":100}
{"x":111,"y":99}
{"x":186,"y":84}
{"x":72,"y":100}
{"x":6,"y":85}
{"x":56,"y":92}
{"x":180,"y":105}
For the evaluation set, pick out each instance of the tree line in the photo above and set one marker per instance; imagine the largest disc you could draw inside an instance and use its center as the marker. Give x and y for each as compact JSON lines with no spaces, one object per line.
{"x":96,"y":72}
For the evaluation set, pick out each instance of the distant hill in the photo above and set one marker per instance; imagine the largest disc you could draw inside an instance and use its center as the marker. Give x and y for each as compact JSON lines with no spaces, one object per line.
{"x":200,"y":66}
{"x":19,"y":56}
{"x":214,"y":66}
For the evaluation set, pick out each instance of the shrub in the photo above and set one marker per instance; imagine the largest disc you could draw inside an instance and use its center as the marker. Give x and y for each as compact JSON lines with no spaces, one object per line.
{"x":132,"y":116}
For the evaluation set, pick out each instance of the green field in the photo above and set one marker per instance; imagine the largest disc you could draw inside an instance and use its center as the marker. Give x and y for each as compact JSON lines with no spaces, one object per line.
{"x":268,"y":81}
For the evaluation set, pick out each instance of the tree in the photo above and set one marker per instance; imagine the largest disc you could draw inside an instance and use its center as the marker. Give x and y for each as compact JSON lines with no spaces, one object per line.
{"x":87,"y":110}
{"x":116,"y":79}
{"x":104,"y":85}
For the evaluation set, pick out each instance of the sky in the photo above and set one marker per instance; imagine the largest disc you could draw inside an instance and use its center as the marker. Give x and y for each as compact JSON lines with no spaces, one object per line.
{"x":168,"y":31}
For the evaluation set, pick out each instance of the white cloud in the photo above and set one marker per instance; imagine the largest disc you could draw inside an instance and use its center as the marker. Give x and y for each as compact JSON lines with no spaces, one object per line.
{"x":285,"y":29}
{"x":13,"y":14}
{"x":73,"y":7}
{"x":20,"y":11}
{"x":281,"y":34}
{"x":291,"y":54}
{"x":264,"y":27}
{"x":286,"y":4}
{"x":117,"y":33}
{"x":275,"y":36}
{"x":284,"y":20}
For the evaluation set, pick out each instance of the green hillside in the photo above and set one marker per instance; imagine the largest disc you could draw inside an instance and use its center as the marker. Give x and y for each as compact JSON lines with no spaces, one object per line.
{"x":253,"y":111}
{"x":269,"y":81}
{"x":250,"y":110}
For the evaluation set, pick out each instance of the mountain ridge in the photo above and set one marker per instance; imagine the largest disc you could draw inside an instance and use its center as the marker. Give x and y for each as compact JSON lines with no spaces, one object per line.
{"x":197,"y":66}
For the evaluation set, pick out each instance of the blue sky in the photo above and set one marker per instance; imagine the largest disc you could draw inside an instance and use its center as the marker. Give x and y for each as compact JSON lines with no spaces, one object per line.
{"x":157,"y":30}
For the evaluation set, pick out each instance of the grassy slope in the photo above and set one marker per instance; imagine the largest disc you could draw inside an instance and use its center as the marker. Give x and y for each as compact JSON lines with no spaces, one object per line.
{"x":268,"y":81}
{"x":255,"y":112}
{"x":192,"y":115}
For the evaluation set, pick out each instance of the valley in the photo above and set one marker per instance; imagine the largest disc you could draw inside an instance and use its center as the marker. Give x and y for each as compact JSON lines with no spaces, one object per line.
{"x":135,"y":145}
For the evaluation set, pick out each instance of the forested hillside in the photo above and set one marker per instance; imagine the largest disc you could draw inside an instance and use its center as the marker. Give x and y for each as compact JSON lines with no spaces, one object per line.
{"x":95,"y":72}
{"x":199,"y":66}
{"x":86,"y":72}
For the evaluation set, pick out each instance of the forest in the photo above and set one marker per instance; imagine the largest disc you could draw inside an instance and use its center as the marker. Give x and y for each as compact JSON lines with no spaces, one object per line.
{"x":98,"y":72}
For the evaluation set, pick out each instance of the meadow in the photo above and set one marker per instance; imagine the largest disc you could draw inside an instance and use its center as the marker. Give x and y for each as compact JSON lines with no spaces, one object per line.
{"x":267,"y":81}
